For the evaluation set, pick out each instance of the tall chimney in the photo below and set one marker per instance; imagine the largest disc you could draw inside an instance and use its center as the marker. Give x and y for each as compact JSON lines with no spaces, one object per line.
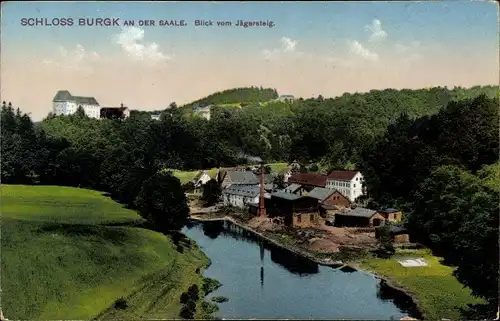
{"x":262,"y":208}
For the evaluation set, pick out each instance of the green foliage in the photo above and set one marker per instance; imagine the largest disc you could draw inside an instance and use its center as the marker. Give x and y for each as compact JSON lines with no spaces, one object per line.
{"x":211,"y":193}
{"x":70,"y":253}
{"x":219,"y":299}
{"x":210,"y":285}
{"x":236,"y":95}
{"x":162,"y":201}
{"x":431,"y":166}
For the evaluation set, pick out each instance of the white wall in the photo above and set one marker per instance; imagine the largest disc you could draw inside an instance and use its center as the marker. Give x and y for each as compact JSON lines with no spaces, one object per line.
{"x":239,"y":201}
{"x":350,"y":189}
{"x":70,"y":107}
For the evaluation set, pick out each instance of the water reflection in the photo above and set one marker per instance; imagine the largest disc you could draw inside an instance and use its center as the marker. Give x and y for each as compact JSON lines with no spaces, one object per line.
{"x":262,"y":277}
{"x":295,"y":286}
{"x":400,"y":299}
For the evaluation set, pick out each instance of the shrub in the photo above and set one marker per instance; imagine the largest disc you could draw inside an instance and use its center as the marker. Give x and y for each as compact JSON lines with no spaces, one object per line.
{"x":186,"y":313}
{"x":121,"y":304}
{"x":184,"y":297}
{"x":194,"y":292}
{"x":180,"y":249}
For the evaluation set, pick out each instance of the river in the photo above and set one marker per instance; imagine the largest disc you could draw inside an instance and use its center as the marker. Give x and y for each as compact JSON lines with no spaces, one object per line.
{"x":263,"y":281}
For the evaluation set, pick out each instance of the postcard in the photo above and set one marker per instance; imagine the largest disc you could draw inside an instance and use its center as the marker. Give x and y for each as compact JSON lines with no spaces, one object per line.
{"x":249,"y":160}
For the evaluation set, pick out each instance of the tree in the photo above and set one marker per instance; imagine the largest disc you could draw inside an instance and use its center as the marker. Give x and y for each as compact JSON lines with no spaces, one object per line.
{"x":211,"y":193}
{"x":279,"y":181}
{"x":80,"y":112}
{"x":163,"y":203}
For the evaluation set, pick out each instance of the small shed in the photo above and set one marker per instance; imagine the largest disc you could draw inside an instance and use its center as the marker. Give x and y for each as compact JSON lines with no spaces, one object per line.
{"x":391,"y":214}
{"x":398,"y":233}
{"x":358,"y":217}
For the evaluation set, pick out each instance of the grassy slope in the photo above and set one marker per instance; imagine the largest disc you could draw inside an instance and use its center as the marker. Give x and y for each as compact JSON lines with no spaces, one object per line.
{"x":59,"y":260}
{"x":439,"y":293}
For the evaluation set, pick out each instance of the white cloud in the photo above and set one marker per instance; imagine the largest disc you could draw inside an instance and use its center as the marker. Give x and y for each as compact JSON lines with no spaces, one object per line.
{"x":287,"y":45}
{"x":358,"y":49}
{"x":377,"y":33}
{"x":77,"y":59}
{"x":129,"y":40}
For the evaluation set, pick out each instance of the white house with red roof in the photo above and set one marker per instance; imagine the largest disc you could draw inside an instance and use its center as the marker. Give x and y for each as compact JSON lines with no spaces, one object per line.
{"x":349,"y":183}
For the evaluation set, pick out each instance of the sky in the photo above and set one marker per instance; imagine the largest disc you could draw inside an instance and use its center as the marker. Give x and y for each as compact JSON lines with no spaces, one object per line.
{"x":303,"y":48}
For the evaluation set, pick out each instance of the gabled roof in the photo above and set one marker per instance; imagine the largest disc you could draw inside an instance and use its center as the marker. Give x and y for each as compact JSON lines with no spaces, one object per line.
{"x":285,"y":195}
{"x":242,"y":190}
{"x":342,"y":175}
{"x":388,"y":210}
{"x":85,"y":100}
{"x":240,"y":177}
{"x":64,"y":95}
{"x":292,"y":188}
{"x":321,"y":193}
{"x":359,"y":212}
{"x":314,"y":179}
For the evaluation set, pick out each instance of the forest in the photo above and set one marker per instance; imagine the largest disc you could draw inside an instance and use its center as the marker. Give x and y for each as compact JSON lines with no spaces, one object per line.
{"x":432,"y":152}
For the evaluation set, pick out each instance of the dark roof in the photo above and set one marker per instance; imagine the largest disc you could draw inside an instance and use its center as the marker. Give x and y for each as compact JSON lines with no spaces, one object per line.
{"x":329,"y":207}
{"x":285,"y":195}
{"x":388,"y":210}
{"x":242,"y":190}
{"x":241,"y":177}
{"x":313,"y":179}
{"x":292,"y":188}
{"x":342,"y":175}
{"x":64,"y":95}
{"x":397,"y":230}
{"x":359,"y":212}
{"x":321,"y":193}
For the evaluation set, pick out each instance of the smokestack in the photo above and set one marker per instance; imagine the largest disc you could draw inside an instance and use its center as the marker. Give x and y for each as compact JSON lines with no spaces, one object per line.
{"x":262,"y":208}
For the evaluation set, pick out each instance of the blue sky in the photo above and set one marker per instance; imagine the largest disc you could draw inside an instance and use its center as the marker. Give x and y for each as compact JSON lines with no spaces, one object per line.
{"x":314,"y":48}
{"x":444,"y":22}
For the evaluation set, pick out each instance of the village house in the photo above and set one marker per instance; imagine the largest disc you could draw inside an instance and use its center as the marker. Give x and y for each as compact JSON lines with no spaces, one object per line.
{"x":308,"y":180}
{"x":201,"y":179}
{"x":241,"y":195}
{"x":295,"y":189}
{"x":297,"y":211}
{"x":398,"y":234}
{"x":349,"y":183}
{"x":391,"y":214}
{"x":121,"y":112}
{"x":241,"y":176}
{"x":237,"y":177}
{"x":329,"y":196}
{"x":204,"y":112}
{"x":358,"y":217}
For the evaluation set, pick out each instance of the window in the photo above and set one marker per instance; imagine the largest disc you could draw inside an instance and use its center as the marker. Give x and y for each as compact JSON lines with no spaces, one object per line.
{"x":357,"y":178}
{"x":299,"y":218}
{"x":353,"y":185}
{"x":311,"y":218}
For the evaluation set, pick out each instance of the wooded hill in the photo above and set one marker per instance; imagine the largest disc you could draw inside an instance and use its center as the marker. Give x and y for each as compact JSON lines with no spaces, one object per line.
{"x":236,"y":95}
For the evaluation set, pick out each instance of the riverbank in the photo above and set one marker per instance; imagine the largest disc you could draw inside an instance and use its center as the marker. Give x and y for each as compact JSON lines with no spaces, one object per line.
{"x":435,"y":293}
{"x":322,"y":261}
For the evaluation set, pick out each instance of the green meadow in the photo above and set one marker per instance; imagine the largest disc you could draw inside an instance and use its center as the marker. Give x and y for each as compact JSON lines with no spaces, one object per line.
{"x":438,"y":292}
{"x":70,"y":253}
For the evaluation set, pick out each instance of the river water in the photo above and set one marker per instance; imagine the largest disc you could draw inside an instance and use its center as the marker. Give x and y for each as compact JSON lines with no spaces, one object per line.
{"x":263,"y":281}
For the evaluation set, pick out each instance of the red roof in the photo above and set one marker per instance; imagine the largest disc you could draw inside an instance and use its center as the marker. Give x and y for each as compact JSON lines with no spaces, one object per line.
{"x":342,"y":175}
{"x":313,"y":179}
